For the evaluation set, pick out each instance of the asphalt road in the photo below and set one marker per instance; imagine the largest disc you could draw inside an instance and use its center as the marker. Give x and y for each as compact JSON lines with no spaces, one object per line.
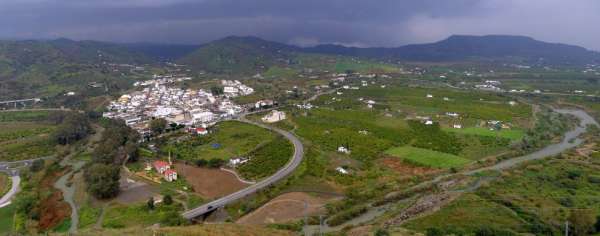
{"x":12,"y":169}
{"x":279,"y":175}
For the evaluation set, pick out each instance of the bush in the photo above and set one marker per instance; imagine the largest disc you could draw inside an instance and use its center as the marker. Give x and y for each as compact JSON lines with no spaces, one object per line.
{"x":594,"y":179}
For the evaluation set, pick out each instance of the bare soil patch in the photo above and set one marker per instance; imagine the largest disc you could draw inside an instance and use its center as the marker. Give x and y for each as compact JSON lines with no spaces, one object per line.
{"x":286,"y":207}
{"x":210,"y":183}
{"x":133,"y":190}
{"x":406,"y":169}
{"x":53,"y":210}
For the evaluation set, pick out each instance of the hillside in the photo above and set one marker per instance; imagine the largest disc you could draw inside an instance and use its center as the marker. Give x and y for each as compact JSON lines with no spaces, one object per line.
{"x":46,"y":67}
{"x":239,"y":54}
{"x":207,"y":229}
{"x":462,"y":47}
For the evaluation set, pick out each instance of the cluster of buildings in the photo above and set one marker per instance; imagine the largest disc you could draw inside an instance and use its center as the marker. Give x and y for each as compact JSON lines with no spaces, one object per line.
{"x":186,"y":107}
{"x":234,"y":88}
{"x":163,"y":168}
{"x":157,"y":79}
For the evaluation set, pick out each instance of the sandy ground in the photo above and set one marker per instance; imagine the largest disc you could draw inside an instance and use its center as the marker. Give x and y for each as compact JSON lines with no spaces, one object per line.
{"x":285,"y":208}
{"x":210,"y":183}
{"x":135,"y":191}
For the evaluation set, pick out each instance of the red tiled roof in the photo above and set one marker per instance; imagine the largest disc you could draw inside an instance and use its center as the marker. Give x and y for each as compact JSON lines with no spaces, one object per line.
{"x":158,"y":164}
{"x":169,"y":172}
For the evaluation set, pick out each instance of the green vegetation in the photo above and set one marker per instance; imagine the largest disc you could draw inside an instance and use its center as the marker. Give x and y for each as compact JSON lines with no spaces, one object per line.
{"x":537,"y":198}
{"x":22,"y":116}
{"x":512,"y":134}
{"x":427,"y":158}
{"x":123,"y":216}
{"x":460,"y":215}
{"x":88,"y":216}
{"x":229,"y":139}
{"x":267,"y":159}
{"x":102,"y":174}
{"x":5,"y":184}
{"x":7,"y":215}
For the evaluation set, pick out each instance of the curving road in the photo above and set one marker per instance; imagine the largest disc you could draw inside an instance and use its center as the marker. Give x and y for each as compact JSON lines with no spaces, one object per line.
{"x":279,"y":175}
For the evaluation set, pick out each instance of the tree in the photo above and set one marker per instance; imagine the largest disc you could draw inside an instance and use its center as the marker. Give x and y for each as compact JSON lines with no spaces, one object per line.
{"x":582,"y":221}
{"x":215,"y":90}
{"x":201,"y":162}
{"x":168,"y":200}
{"x":150,"y":203}
{"x":37,"y":165}
{"x":215,"y":163}
{"x":102,"y":180}
{"x":74,"y":127}
{"x":381,"y":232}
{"x":158,"y":125}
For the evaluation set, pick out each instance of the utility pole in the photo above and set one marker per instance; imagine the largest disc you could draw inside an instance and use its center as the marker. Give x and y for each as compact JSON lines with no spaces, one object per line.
{"x":567,"y":228}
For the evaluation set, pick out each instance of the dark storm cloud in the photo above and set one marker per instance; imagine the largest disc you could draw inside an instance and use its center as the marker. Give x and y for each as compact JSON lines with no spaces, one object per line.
{"x":306,"y":22}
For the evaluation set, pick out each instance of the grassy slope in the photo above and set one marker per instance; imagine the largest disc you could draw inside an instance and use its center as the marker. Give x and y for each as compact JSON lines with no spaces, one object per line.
{"x":207,"y":229}
{"x":463,"y":212}
{"x":427,"y":158}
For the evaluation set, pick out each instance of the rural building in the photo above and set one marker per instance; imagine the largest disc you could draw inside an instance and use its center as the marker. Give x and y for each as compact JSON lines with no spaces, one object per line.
{"x":343,"y":149}
{"x":198,"y":131}
{"x":170,"y":175}
{"x":161,"y":166}
{"x":457,"y":126}
{"x":237,"y":161}
{"x":341,"y":170}
{"x":274,"y":116}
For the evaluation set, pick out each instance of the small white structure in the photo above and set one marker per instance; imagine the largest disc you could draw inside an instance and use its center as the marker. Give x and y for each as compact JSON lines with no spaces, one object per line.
{"x":429,"y":122}
{"x":274,"y":116}
{"x":341,"y":170}
{"x":429,"y":96}
{"x":170,"y":175}
{"x":70,"y":94}
{"x":512,"y":103}
{"x":446,"y":99}
{"x":457,"y":126}
{"x":342,"y":149}
{"x":237,"y":161}
{"x":452,"y":114}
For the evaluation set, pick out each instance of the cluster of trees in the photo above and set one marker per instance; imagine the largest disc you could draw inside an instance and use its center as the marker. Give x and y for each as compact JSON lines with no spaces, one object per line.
{"x":103,"y":172}
{"x":210,"y":163}
{"x":549,"y":125}
{"x":433,"y":138}
{"x":72,"y":127}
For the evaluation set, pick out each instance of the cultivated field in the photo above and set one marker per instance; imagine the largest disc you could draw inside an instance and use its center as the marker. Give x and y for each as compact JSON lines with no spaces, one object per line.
{"x":230,"y":139}
{"x":210,"y":183}
{"x":427,"y":158}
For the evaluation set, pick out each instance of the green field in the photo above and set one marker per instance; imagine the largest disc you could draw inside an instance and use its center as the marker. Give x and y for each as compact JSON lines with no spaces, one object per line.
{"x":512,"y":134}
{"x":428,"y":158}
{"x":23,"y":116}
{"x":6,"y":219}
{"x":462,"y":212}
{"x":5,"y":183}
{"x":267,"y":159}
{"x":233,"y":139}
{"x":122,"y":216}
{"x":25,"y":140}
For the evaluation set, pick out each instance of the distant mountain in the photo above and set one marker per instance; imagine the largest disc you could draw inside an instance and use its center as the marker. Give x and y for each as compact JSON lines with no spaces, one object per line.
{"x":251,"y":54}
{"x":468,"y":48}
{"x":163,"y":52}
{"x":239,"y":54}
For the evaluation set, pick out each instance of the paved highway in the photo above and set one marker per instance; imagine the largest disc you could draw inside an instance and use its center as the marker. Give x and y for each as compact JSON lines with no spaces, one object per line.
{"x":279,"y":175}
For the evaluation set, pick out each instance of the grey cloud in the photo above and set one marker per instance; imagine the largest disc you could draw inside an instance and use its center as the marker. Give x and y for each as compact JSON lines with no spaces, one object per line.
{"x":306,"y":22}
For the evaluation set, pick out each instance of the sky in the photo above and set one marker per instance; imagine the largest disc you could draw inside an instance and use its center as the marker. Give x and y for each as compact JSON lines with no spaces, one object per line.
{"x":362,"y":23}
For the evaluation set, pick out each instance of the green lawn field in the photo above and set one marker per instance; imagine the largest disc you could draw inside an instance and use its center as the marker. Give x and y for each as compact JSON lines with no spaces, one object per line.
{"x":427,"y":158}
